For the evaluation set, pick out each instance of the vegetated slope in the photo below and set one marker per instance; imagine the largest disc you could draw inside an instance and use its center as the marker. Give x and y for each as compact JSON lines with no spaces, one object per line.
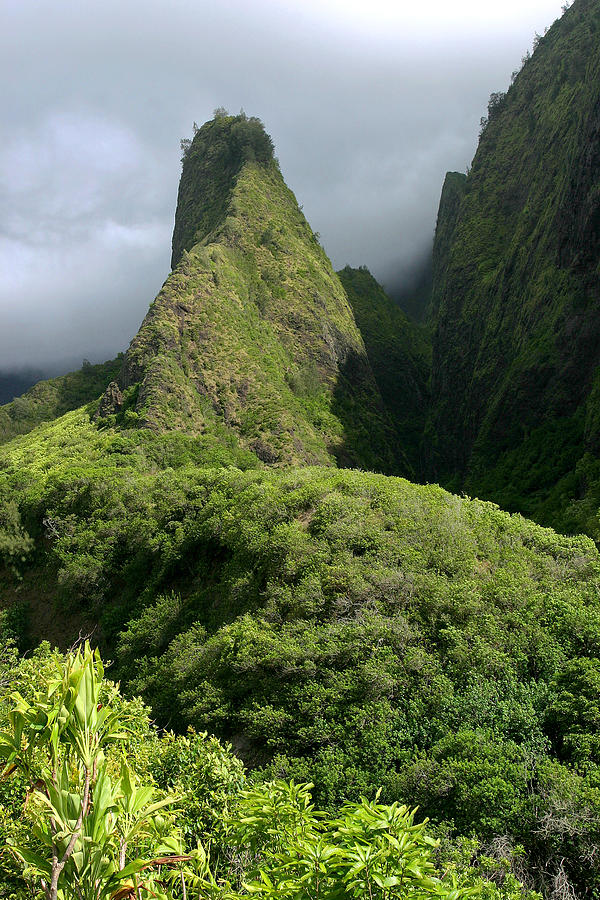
{"x":516,"y":300}
{"x":399,"y":352}
{"x":219,"y":809}
{"x":252,"y":330}
{"x":48,"y":400}
{"x":453,"y":191}
{"x":341,"y":627}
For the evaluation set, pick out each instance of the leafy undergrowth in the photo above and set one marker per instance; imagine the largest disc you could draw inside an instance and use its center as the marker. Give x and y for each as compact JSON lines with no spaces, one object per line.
{"x":165,"y":817}
{"x":342,"y":627}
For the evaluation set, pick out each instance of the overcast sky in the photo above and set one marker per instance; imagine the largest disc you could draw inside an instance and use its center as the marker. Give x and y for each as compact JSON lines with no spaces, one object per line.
{"x":369,"y":103}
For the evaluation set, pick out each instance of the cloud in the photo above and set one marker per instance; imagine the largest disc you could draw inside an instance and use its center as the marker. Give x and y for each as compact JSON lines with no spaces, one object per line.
{"x":368,"y":105}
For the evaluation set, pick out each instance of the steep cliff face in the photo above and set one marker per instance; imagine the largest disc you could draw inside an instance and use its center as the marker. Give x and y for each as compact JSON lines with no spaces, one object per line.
{"x":252,"y":331}
{"x":399,"y":352}
{"x":516,"y":294}
{"x":452,"y":193}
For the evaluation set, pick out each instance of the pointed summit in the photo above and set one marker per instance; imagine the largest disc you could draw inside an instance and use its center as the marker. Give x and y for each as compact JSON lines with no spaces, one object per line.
{"x":251,"y":338}
{"x":211,"y":163}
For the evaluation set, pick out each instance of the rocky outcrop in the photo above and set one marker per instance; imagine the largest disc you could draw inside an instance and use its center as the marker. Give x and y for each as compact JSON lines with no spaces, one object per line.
{"x":251,"y":338}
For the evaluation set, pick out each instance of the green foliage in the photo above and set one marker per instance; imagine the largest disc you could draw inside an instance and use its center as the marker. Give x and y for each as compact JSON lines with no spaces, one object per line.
{"x":95,"y":828}
{"x":86,"y":824}
{"x":340,"y":627}
{"x":205,"y":772}
{"x":212,"y":161}
{"x":370,"y":850}
{"x":574,"y":716}
{"x":15,"y":543}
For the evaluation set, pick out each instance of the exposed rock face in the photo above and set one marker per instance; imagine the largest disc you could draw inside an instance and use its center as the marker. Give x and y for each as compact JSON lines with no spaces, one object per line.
{"x":516,"y":311}
{"x":252,"y":338}
{"x":110,"y":402}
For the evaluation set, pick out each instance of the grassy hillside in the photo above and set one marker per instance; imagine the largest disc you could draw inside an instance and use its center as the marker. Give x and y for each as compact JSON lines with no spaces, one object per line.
{"x":517,"y":329}
{"x":399,"y":352}
{"x":48,"y":400}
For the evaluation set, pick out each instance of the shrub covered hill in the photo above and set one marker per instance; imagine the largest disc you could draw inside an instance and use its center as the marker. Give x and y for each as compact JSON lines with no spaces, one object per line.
{"x":340,"y":626}
{"x":516,"y":299}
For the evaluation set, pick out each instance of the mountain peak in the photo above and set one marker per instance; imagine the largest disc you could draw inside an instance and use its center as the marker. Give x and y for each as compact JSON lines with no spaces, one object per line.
{"x":252,"y":340}
{"x":212,"y":160}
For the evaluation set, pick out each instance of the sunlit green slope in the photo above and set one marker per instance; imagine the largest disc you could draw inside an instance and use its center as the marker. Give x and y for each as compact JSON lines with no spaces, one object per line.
{"x":48,"y":400}
{"x":342,"y":627}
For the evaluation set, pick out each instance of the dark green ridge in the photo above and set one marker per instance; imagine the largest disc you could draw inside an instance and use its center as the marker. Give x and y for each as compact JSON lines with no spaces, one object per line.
{"x":516,"y":316}
{"x":452,"y":193}
{"x":399,"y":352}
